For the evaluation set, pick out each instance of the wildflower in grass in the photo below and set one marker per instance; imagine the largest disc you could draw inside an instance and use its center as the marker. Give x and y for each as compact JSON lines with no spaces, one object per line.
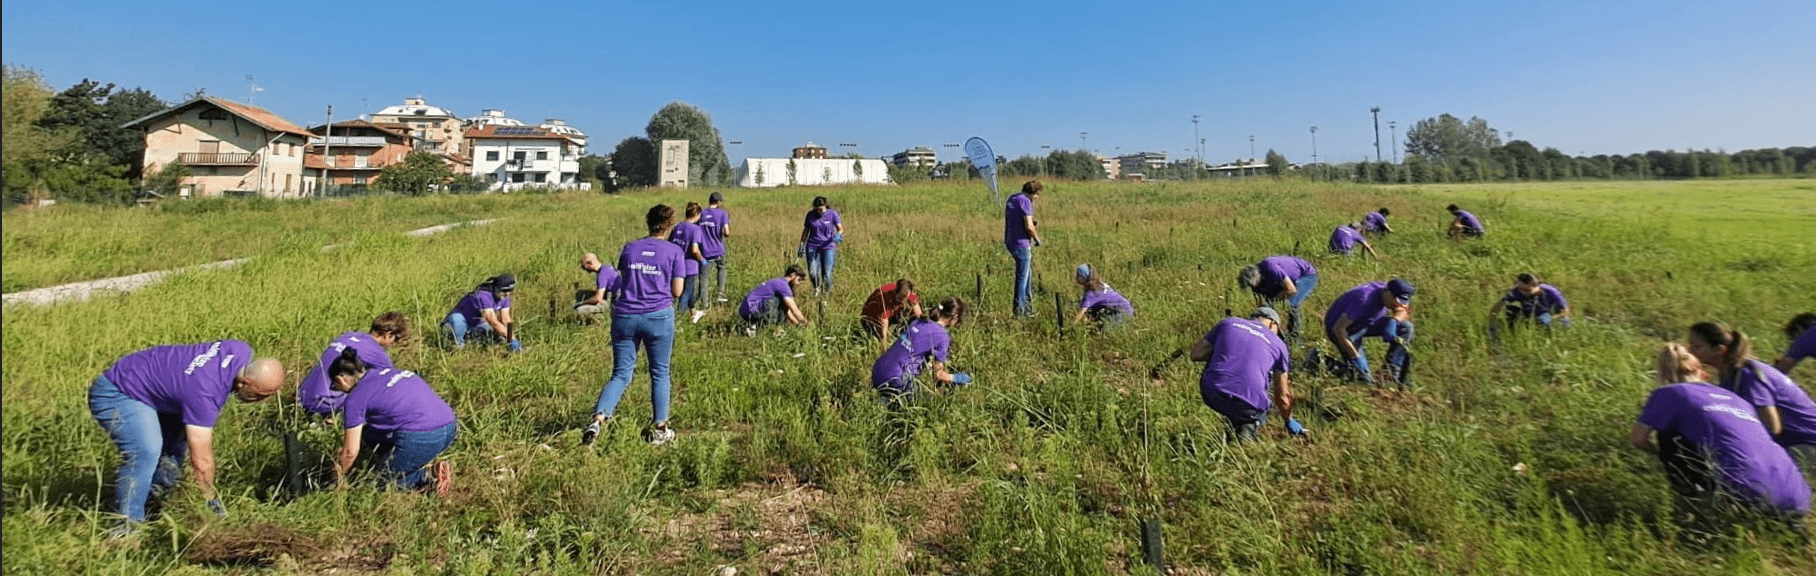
{"x":1783,"y":407}
{"x":1100,"y":303}
{"x":921,"y":350}
{"x":395,"y":413}
{"x":485,"y":313}
{"x":1020,"y":234}
{"x":821,"y":232}
{"x":387,"y":330}
{"x":773,"y":301}
{"x":650,"y":271}
{"x":1244,"y":359}
{"x":1380,"y":309}
{"x":160,"y":403}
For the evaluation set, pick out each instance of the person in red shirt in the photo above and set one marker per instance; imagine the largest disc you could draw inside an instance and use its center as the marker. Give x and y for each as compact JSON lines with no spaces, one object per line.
{"x":887,"y":306}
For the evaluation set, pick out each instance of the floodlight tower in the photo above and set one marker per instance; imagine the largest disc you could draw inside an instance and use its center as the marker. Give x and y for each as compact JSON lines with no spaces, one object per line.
{"x":1394,"y":133}
{"x":1376,"y":111}
{"x":1314,"y":144}
{"x":1200,"y":140}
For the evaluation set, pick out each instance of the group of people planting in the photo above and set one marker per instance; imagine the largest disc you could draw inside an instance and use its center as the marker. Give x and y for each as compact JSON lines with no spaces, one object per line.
{"x":1737,"y":443}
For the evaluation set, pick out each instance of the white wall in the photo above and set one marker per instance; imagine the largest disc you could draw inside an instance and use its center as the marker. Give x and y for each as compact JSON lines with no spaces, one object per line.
{"x":811,"y":172}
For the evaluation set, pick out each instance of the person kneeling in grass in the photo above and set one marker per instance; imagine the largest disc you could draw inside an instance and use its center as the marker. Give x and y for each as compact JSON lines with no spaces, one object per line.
{"x":1802,"y":332}
{"x":1720,"y":461}
{"x":921,"y":350}
{"x":1784,"y":409}
{"x":773,"y":301}
{"x":1100,"y":303}
{"x":1532,"y":300}
{"x":160,"y":404}
{"x":888,"y":307}
{"x":1242,"y":357}
{"x":605,"y":282}
{"x":402,"y":420}
{"x":485,"y":313}
{"x":1376,"y":222}
{"x":1380,"y":309}
{"x":388,"y":330}
{"x":1463,"y":224}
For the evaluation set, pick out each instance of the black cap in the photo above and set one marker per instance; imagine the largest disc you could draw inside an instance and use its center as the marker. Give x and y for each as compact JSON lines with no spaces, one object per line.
{"x":715,"y":198}
{"x":819,"y":201}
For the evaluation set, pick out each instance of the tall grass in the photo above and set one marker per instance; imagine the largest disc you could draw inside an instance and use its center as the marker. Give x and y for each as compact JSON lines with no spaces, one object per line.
{"x":1502,"y":461}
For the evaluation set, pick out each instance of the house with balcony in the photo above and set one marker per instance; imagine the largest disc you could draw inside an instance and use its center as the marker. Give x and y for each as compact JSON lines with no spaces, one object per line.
{"x":229,"y":148}
{"x":513,"y":157}
{"x":353,"y":152}
{"x":436,"y":129}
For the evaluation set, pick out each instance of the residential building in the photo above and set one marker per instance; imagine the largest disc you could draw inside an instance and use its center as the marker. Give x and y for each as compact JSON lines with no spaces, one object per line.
{"x":1140,"y":161}
{"x":513,"y":157}
{"x":353,"y":152}
{"x":773,"y":172}
{"x":436,"y":129}
{"x":810,"y":150}
{"x":1111,"y":168}
{"x":919,"y":156}
{"x":228,"y":147}
{"x":559,"y":126}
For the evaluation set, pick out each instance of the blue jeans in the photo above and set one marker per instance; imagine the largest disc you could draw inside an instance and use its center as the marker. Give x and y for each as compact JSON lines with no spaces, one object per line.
{"x":1395,"y":333}
{"x":1024,"y":268}
{"x":1245,"y":421}
{"x":1305,"y":285}
{"x":714,"y":268}
{"x":819,"y":267}
{"x":690,"y":293}
{"x":152,"y":445}
{"x":457,"y":325}
{"x":655,"y":331}
{"x":404,"y":454}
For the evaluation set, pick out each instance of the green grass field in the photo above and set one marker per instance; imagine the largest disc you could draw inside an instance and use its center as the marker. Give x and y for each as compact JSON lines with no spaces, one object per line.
{"x":1505,"y":462}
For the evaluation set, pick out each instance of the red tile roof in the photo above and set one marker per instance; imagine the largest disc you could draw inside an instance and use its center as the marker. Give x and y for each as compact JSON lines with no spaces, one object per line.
{"x":256,"y":115}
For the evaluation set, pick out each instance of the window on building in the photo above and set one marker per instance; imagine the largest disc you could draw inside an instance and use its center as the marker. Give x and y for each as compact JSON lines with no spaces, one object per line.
{"x":359,"y":180}
{"x":519,"y":156}
{"x":208,"y":146}
{"x":491,"y":155}
{"x":542,"y":154}
{"x":287,"y":183}
{"x":516,"y":176}
{"x":361,"y":159}
{"x":541,"y":176}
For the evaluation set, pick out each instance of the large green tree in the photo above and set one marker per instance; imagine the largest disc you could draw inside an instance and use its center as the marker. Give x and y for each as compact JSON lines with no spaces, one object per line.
{"x":1447,"y":140}
{"x":1276,"y":163}
{"x":634,"y":163}
{"x":27,"y":149}
{"x":706,"y":161}
{"x":96,"y":112}
{"x":418,"y":174}
{"x":1074,"y":165}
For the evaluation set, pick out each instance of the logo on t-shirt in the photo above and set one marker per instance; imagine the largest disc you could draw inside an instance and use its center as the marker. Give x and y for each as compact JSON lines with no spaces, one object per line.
{"x":401,"y":374}
{"x":203,"y":359}
{"x":1730,"y":410}
{"x":648,"y":254}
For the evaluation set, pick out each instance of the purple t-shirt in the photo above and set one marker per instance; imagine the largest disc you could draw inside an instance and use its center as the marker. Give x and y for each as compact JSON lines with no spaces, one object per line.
{"x":1276,"y":269}
{"x":390,"y":400}
{"x":475,"y":303}
{"x":1244,"y":356}
{"x":1804,"y":346}
{"x":924,"y":340}
{"x":1374,"y":222}
{"x":1106,"y":297}
{"x":1344,"y":239}
{"x":1762,"y":385}
{"x":1751,"y":465}
{"x":193,"y":380}
{"x":647,"y":268}
{"x":1362,"y":304}
{"x":1469,"y":220}
{"x":1549,"y":299}
{"x":713,"y":221}
{"x":686,"y":235}
{"x":821,"y":228}
{"x":606,"y":279}
{"x":1015,"y":227}
{"x":770,"y":288}
{"x":316,"y":393}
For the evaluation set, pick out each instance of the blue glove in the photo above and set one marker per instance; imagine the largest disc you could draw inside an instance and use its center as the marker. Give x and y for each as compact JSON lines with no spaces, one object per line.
{"x":1294,"y":427}
{"x":516,"y":346}
{"x":215,"y":506}
{"x":1361,"y":366}
{"x":960,"y":378}
{"x":838,"y":238}
{"x":801,"y":251}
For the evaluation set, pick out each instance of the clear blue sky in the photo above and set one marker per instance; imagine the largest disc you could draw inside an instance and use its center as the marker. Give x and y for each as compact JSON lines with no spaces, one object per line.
{"x":1614,"y":76}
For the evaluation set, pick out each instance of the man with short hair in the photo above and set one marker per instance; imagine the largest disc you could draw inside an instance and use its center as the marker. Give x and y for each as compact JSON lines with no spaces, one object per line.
{"x":1242,"y":357}
{"x":1380,"y":309}
{"x":317,"y":394}
{"x":1376,"y":222}
{"x":1464,"y":224}
{"x":1019,"y":236}
{"x":160,"y":404}
{"x":1533,"y":300}
{"x":717,"y":224}
{"x":605,"y":280}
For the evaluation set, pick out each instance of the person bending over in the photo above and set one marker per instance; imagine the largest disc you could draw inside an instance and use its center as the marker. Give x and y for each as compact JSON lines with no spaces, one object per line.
{"x":388,"y":330}
{"x":887,"y":307}
{"x":485,"y":313}
{"x":399,"y":419}
{"x":773,"y":301}
{"x":1784,"y":408}
{"x":1244,"y":360}
{"x":1100,"y":303}
{"x":920,"y":352}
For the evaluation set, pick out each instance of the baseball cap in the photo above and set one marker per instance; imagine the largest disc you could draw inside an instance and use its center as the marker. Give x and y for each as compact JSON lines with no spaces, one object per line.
{"x":1265,"y":312}
{"x":1084,"y":272}
{"x":504,"y":282}
{"x":715,"y":197}
{"x":1401,"y":289}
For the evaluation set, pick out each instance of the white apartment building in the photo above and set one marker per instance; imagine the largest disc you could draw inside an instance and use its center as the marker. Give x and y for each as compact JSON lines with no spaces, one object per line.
{"x":513,"y":157}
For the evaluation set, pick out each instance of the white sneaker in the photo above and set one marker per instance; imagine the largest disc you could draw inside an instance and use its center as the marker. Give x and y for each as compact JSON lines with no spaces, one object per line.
{"x":660,"y":436}
{"x":750,"y":331}
{"x":722,"y":299}
{"x":698,"y":314}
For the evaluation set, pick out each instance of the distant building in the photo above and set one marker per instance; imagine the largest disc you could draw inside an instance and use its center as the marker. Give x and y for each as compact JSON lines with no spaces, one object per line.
{"x":1111,"y":168}
{"x":490,"y":117}
{"x":228,"y":147}
{"x":559,"y":126}
{"x":809,"y":150}
{"x":671,"y":163}
{"x":355,"y":151}
{"x":919,"y":156}
{"x":1141,"y":161}
{"x":773,"y":172}
{"x":512,"y":157}
{"x":1249,"y":167}
{"x":436,"y":129}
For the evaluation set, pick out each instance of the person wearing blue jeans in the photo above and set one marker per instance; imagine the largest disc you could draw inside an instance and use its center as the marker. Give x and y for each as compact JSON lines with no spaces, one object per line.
{"x":655,"y":333}
{"x":152,"y":445}
{"x":405,"y":456}
{"x":398,"y":418}
{"x":485,"y":313}
{"x":1397,"y":334}
{"x":1380,"y":309}
{"x":651,"y":271}
{"x":1281,"y":277}
{"x":821,"y":232}
{"x":819,"y":267}
{"x":1019,"y":236}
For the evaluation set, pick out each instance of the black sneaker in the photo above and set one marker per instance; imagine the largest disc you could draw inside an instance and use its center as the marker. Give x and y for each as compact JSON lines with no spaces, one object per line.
{"x":591,"y":433}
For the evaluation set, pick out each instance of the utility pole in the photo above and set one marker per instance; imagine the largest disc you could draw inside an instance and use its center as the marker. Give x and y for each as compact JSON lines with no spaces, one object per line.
{"x":1314,"y":144}
{"x":1376,"y":111}
{"x":1082,"y":143}
{"x":327,"y":154}
{"x":1200,"y":140}
{"x":1394,"y":133}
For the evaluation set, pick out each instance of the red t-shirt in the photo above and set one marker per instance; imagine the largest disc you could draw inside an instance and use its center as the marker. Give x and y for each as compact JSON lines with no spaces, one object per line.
{"x":875,"y":308}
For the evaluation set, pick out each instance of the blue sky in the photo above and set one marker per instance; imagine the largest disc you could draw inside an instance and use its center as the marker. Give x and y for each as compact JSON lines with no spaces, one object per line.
{"x":1585,"y":77}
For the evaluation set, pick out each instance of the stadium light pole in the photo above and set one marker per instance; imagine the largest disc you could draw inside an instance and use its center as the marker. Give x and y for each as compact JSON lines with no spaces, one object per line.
{"x":1043,"y":160}
{"x":1314,"y":144}
{"x":1376,"y":111}
{"x":1393,"y":132}
{"x":1199,"y":139}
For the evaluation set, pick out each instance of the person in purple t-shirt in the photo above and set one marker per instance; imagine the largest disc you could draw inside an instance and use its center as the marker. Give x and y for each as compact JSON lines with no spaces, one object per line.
{"x":1100,"y":303}
{"x":1020,"y":236}
{"x":1718,"y":458}
{"x":485,"y":313}
{"x":649,"y":279}
{"x":1277,"y":278}
{"x":160,"y":404}
{"x":1380,"y":309}
{"x":1802,"y":332}
{"x":1532,"y":300}
{"x":387,"y":330}
{"x":1242,"y":357}
{"x":1343,"y":241}
{"x":921,"y":350}
{"x":773,"y":302}
{"x":687,"y":234}
{"x":399,"y":417}
{"x":717,"y":224}
{"x":605,"y":283}
{"x":821,"y":232}
{"x":1464,"y":224}
{"x":1376,"y":222}
{"x":1784,"y":408}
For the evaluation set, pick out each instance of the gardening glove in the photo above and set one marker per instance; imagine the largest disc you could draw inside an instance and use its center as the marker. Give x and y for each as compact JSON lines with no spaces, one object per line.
{"x":960,"y":378}
{"x":1294,"y":427}
{"x":215,"y":506}
{"x":1037,"y":242}
{"x":801,"y":251}
{"x":1360,"y":365}
{"x":838,"y":238}
{"x":516,"y":346}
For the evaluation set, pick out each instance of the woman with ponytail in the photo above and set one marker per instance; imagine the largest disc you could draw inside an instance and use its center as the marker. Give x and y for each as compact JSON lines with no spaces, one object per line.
{"x":1784,"y":408}
{"x":921,"y":350}
{"x":397,"y":415}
